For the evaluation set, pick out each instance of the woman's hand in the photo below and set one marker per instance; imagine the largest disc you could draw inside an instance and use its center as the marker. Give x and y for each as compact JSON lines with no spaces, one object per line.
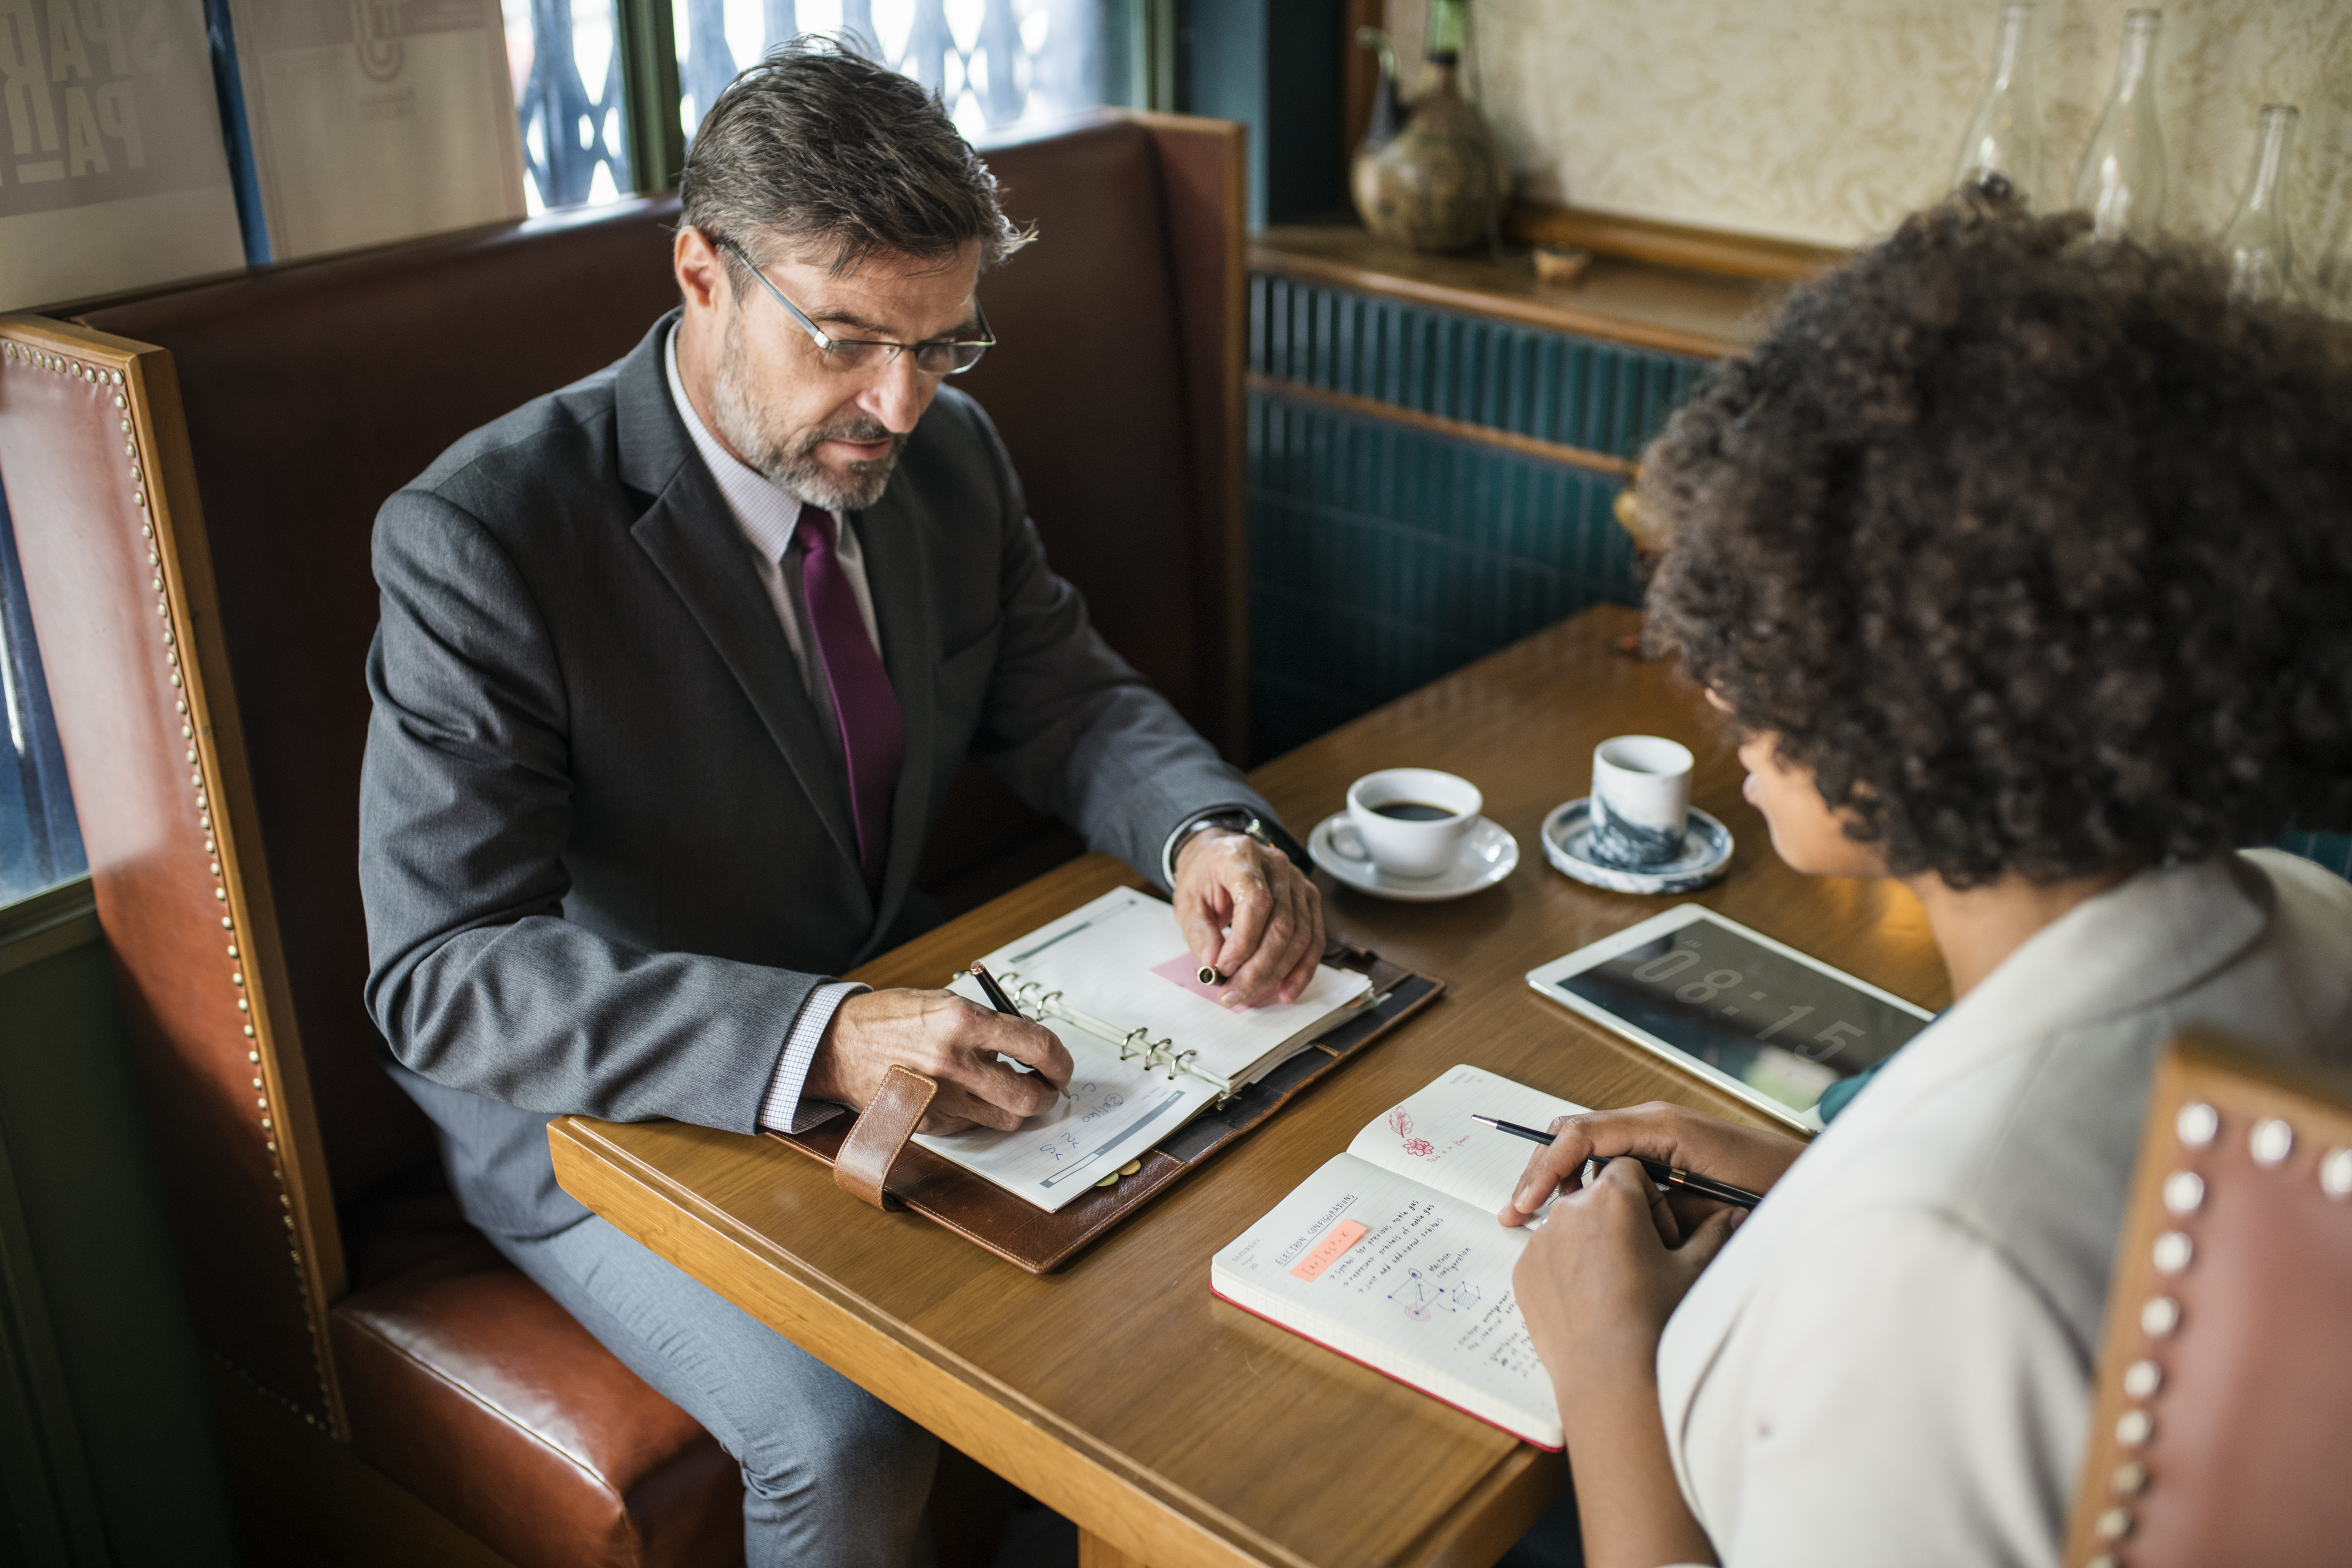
{"x":1744,"y":1156}
{"x":1596,"y":1285}
{"x":1602,"y":1274}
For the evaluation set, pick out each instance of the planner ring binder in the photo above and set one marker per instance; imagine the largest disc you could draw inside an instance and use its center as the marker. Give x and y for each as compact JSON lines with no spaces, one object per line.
{"x":1038,"y":1004}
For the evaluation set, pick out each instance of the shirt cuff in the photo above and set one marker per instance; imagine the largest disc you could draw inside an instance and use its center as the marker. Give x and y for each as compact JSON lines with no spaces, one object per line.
{"x":782,"y":1110}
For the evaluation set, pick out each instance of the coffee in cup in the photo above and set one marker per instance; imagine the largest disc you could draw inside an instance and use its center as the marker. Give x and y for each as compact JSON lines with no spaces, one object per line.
{"x":1408,"y":822}
{"x":1640,"y":800}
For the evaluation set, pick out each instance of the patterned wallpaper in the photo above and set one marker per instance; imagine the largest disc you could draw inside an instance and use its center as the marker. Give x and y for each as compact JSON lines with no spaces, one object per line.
{"x":1827,"y":119}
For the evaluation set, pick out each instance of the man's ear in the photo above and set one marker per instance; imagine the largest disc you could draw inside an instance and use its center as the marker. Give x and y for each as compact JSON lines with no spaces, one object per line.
{"x":701,"y":271}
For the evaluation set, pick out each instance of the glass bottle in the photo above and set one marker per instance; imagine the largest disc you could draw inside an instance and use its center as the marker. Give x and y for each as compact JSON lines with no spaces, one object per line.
{"x":2121,"y":183}
{"x":2261,"y":257}
{"x":2002,"y":149}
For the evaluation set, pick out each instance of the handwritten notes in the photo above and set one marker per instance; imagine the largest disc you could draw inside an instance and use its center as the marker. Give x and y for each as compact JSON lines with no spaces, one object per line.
{"x":1326,"y":1252}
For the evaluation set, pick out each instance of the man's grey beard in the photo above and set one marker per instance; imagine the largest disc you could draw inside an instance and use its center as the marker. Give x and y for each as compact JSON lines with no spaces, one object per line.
{"x":791,"y":465}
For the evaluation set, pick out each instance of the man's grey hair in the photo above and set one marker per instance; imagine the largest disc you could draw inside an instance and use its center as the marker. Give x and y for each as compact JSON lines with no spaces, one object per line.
{"x":818,"y":146}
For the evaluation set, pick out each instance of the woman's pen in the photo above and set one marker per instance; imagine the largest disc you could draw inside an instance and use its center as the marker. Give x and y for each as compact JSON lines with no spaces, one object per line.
{"x":1004,"y":1004}
{"x":1670,"y":1176}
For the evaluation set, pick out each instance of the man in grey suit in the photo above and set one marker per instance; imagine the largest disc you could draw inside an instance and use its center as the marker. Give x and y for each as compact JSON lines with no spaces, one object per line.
{"x":676,"y":666}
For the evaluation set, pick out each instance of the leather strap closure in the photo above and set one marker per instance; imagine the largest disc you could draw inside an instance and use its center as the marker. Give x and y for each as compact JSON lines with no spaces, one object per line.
{"x":862,"y":1165}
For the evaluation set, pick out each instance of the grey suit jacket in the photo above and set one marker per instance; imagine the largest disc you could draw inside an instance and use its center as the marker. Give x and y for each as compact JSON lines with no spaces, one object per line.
{"x":604,"y":845}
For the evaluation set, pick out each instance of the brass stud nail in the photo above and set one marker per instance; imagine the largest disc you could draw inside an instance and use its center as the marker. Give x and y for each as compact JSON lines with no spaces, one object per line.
{"x":216,"y":868}
{"x":2134,"y":1427}
{"x":2130,"y":1478}
{"x":221,"y":893}
{"x":2173,"y":1251}
{"x":242,"y":1005}
{"x":261,"y":1102}
{"x":236,"y":977}
{"x":2142,"y":1379}
{"x":121,"y":402}
{"x":231,"y":949}
{"x":182,"y":704}
{"x":248,"y":1034}
{"x":118,"y":378}
{"x":2271,"y":1142}
{"x":253,"y":1056}
{"x":191,"y":754}
{"x":2336,"y":1174}
{"x":2114,"y":1525}
{"x":2159,"y":1317}
{"x":175,"y":677}
{"x":257,"y":1082}
{"x":2183,"y":1192}
{"x":265,"y":1123}
{"x":272,"y":1146}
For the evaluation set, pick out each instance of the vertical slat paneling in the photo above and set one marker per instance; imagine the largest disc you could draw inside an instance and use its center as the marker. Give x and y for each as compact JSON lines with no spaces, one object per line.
{"x":1382,"y":557}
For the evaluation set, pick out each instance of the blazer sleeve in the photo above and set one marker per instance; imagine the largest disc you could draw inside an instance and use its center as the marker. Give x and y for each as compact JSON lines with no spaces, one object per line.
{"x":1073,"y":729}
{"x":476,"y":979}
{"x":1907,"y":1395}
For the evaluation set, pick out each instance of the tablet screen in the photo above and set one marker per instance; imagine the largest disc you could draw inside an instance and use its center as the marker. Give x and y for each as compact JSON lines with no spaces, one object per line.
{"x":1782,"y":1028}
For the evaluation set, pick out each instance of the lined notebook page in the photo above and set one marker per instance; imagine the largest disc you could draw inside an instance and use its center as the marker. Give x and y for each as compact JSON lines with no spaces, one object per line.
{"x":1430,"y":1139}
{"x":1123,"y":959}
{"x":1404,"y":1278}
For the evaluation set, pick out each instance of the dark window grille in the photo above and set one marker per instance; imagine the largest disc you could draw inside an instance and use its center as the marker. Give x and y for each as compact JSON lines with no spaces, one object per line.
{"x":995,"y":63}
{"x":575,"y":145}
{"x":40,"y":843}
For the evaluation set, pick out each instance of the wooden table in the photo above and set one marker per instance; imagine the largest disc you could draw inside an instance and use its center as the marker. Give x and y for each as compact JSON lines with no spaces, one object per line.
{"x":1177,"y":1430}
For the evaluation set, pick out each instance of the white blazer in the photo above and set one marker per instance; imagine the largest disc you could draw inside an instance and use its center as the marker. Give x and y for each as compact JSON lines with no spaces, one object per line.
{"x":1891,"y":1360}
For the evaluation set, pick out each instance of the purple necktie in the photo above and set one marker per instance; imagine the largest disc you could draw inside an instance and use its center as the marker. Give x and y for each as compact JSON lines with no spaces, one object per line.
{"x":863,"y":705}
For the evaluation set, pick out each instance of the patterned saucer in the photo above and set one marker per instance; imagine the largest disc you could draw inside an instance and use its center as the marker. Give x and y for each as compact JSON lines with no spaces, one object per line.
{"x":1566,"y":837}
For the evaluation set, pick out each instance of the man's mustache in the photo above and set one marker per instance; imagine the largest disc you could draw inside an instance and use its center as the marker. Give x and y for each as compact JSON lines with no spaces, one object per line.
{"x":862,"y":431}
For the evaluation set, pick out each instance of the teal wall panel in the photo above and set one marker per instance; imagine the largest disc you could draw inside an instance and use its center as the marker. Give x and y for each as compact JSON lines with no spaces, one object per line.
{"x":1382,"y":557}
{"x":1601,"y":397}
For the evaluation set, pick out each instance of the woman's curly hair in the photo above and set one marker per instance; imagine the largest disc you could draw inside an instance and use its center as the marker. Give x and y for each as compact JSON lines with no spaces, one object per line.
{"x":2037,"y":551}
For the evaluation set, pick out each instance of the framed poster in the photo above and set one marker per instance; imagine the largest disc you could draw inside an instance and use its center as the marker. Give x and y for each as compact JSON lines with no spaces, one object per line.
{"x":112,"y":175}
{"x":377,"y":120}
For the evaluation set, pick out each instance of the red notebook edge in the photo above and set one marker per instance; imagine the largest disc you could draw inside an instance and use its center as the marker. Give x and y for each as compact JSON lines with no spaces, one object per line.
{"x":1393,"y":1377}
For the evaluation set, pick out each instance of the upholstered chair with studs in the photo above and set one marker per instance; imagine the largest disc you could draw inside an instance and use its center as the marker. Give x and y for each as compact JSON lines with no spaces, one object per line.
{"x":2222,"y":1429}
{"x":192,"y":479}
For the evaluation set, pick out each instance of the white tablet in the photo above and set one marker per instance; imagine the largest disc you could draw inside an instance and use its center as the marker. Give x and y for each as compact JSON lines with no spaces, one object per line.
{"x":1747,"y":1014}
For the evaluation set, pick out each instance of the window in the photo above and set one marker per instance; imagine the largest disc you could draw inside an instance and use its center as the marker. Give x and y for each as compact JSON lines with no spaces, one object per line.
{"x":565,"y":59}
{"x":995,"y":63}
{"x":41,"y":844}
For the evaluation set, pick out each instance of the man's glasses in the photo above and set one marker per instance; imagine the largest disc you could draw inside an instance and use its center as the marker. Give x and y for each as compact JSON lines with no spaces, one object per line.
{"x":933,"y":359}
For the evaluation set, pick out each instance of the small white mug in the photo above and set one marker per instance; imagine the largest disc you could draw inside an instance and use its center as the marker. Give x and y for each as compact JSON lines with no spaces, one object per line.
{"x":1640,"y":800}
{"x":1408,"y":822}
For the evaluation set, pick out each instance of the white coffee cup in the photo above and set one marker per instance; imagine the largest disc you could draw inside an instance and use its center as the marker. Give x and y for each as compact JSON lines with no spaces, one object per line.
{"x":1640,"y":800}
{"x":1438,"y":811}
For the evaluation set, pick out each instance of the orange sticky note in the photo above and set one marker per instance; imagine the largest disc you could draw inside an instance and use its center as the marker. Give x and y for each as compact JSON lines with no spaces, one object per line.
{"x":1342,"y":1236}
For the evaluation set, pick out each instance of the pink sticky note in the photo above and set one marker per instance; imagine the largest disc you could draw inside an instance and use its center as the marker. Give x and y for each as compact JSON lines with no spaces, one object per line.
{"x":1326,"y":1252}
{"x":1185,"y":970}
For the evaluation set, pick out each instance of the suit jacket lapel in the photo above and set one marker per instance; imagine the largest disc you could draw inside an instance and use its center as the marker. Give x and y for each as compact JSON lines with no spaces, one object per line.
{"x":692,"y":538}
{"x":898,"y":578}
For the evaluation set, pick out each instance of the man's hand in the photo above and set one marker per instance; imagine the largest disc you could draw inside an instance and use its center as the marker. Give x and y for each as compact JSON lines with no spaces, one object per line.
{"x":1744,"y":1156}
{"x":947,"y":1039}
{"x":1248,"y":913}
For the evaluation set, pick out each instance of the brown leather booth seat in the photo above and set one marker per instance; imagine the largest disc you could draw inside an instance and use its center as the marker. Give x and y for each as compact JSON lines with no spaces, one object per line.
{"x":308,"y":393}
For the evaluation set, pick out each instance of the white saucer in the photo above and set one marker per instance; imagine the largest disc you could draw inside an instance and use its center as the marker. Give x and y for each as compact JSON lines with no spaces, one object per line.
{"x":1489,"y":854}
{"x":1707,"y":849}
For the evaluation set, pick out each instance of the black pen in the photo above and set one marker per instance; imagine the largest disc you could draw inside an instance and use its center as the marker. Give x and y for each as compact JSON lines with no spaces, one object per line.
{"x":1004,"y":1004}
{"x":1671,"y":1176}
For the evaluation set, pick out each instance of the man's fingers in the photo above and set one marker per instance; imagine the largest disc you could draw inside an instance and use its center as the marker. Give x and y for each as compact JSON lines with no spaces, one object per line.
{"x":1029,"y":1044}
{"x":1253,"y":909}
{"x":1203,"y":928}
{"x":1548,"y":1170}
{"x":1262,"y":968}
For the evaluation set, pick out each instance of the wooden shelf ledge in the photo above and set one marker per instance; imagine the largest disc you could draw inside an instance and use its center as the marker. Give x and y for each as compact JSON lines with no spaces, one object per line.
{"x":1620,"y":298}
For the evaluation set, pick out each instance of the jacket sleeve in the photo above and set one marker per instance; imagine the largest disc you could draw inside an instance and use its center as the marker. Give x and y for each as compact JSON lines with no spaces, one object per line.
{"x":1073,"y":729}
{"x":476,"y":979}
{"x":1904,"y":1395}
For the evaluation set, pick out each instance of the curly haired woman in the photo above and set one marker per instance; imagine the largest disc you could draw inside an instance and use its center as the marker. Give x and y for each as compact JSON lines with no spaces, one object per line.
{"x":2023,"y":569}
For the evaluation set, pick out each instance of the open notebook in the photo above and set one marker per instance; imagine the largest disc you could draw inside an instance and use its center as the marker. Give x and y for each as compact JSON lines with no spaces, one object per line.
{"x":1390,"y":1255}
{"x":1151,"y":1046}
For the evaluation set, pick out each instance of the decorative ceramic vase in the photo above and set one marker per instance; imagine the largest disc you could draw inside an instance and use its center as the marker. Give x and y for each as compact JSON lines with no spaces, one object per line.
{"x":1438,"y":182}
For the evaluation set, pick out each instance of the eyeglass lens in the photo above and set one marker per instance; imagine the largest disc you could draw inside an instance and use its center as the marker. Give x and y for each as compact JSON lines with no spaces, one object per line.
{"x":932,"y":359}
